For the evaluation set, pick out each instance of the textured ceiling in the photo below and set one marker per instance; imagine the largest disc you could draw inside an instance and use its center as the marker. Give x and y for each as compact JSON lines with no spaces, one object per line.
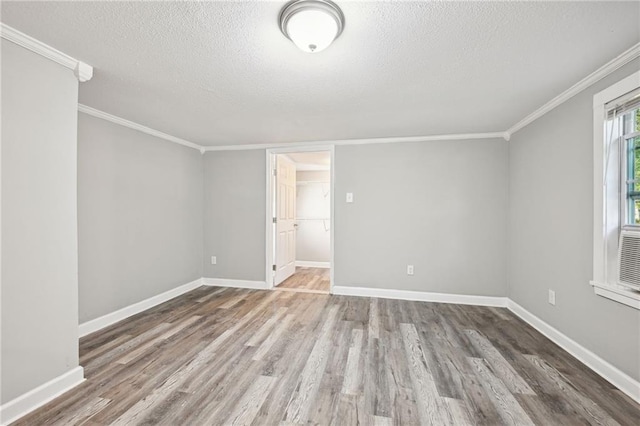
{"x":221,"y":73}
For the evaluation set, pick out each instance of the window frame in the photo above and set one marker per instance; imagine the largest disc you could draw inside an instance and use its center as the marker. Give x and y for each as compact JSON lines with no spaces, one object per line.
{"x":607,"y":226}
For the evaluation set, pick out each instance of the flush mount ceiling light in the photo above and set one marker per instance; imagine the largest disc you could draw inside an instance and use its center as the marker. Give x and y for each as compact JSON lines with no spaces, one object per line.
{"x":312,"y":25}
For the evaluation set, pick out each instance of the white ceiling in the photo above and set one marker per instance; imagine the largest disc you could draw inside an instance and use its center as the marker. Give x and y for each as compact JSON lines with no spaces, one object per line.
{"x":221,"y":73}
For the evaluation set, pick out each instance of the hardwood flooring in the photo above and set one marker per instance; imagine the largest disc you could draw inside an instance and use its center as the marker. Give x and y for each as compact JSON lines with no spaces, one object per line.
{"x":234,"y":356}
{"x":316,"y":280}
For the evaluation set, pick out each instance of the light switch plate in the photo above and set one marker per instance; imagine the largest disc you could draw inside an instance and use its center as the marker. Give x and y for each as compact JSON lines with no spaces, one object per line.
{"x":349,"y":197}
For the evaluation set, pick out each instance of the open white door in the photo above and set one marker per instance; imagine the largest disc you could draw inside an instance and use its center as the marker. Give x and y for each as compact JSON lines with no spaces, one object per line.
{"x":285,"y":259}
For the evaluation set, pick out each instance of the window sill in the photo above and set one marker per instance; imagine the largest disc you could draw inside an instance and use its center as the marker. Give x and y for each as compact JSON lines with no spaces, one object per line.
{"x":618,"y":293}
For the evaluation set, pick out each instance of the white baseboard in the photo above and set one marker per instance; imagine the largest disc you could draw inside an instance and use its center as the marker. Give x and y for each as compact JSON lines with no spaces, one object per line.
{"x":112,"y":318}
{"x":616,"y":377}
{"x":27,"y":402}
{"x":311,"y":264}
{"x":460,"y":299}
{"x":223,"y":282}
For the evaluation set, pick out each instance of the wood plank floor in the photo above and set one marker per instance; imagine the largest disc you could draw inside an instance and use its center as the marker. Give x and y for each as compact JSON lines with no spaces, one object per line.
{"x":235,"y":356}
{"x":308,"y":279}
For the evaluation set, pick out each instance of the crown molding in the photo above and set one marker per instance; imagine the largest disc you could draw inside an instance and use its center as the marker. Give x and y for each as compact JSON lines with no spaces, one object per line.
{"x":82,"y":71}
{"x":135,"y":126}
{"x":619,"y":61}
{"x":132,"y":125}
{"x":403,"y":139}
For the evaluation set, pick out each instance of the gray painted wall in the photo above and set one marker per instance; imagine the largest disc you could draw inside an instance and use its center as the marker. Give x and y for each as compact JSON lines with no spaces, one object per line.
{"x":139,"y":216}
{"x":446,"y":203}
{"x":234,"y":212}
{"x":39,"y":221}
{"x":551,"y":226}
{"x":440,"y":206}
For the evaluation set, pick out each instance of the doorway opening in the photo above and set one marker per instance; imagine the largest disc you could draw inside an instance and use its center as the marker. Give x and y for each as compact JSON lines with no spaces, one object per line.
{"x":300,"y":219}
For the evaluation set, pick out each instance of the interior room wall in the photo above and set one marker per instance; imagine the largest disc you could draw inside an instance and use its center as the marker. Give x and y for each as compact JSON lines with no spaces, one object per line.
{"x":439,"y":206}
{"x":139,"y":216}
{"x":39,"y":221}
{"x":234,"y":214}
{"x":551,"y":227}
{"x":313,"y":213}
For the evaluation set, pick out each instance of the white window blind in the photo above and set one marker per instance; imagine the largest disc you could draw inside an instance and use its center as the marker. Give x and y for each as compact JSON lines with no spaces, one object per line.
{"x":623,"y":104}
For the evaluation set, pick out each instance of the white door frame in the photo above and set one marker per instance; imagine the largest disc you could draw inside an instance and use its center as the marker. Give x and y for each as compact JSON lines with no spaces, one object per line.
{"x":269,"y":240}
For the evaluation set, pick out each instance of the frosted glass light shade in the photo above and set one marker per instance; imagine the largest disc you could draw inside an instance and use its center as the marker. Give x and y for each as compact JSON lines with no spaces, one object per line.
{"x":312,"y":25}
{"x":312,"y":30}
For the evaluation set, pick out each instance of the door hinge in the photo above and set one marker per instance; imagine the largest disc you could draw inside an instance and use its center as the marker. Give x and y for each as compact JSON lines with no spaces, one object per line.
{"x":275,"y":220}
{"x":275,"y":172}
{"x":273,"y":267}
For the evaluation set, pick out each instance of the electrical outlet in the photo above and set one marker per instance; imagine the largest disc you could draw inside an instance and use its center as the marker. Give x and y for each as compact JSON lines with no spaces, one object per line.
{"x":552,"y":297}
{"x":214,"y":261}
{"x":349,"y":197}
{"x":409,"y":269}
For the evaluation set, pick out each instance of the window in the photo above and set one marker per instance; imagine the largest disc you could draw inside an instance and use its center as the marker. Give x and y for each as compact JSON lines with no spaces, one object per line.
{"x":631,"y":168}
{"x":616,"y":153}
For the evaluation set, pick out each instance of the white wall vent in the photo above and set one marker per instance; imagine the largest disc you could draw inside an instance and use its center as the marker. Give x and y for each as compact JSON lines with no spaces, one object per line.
{"x":629,"y":259}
